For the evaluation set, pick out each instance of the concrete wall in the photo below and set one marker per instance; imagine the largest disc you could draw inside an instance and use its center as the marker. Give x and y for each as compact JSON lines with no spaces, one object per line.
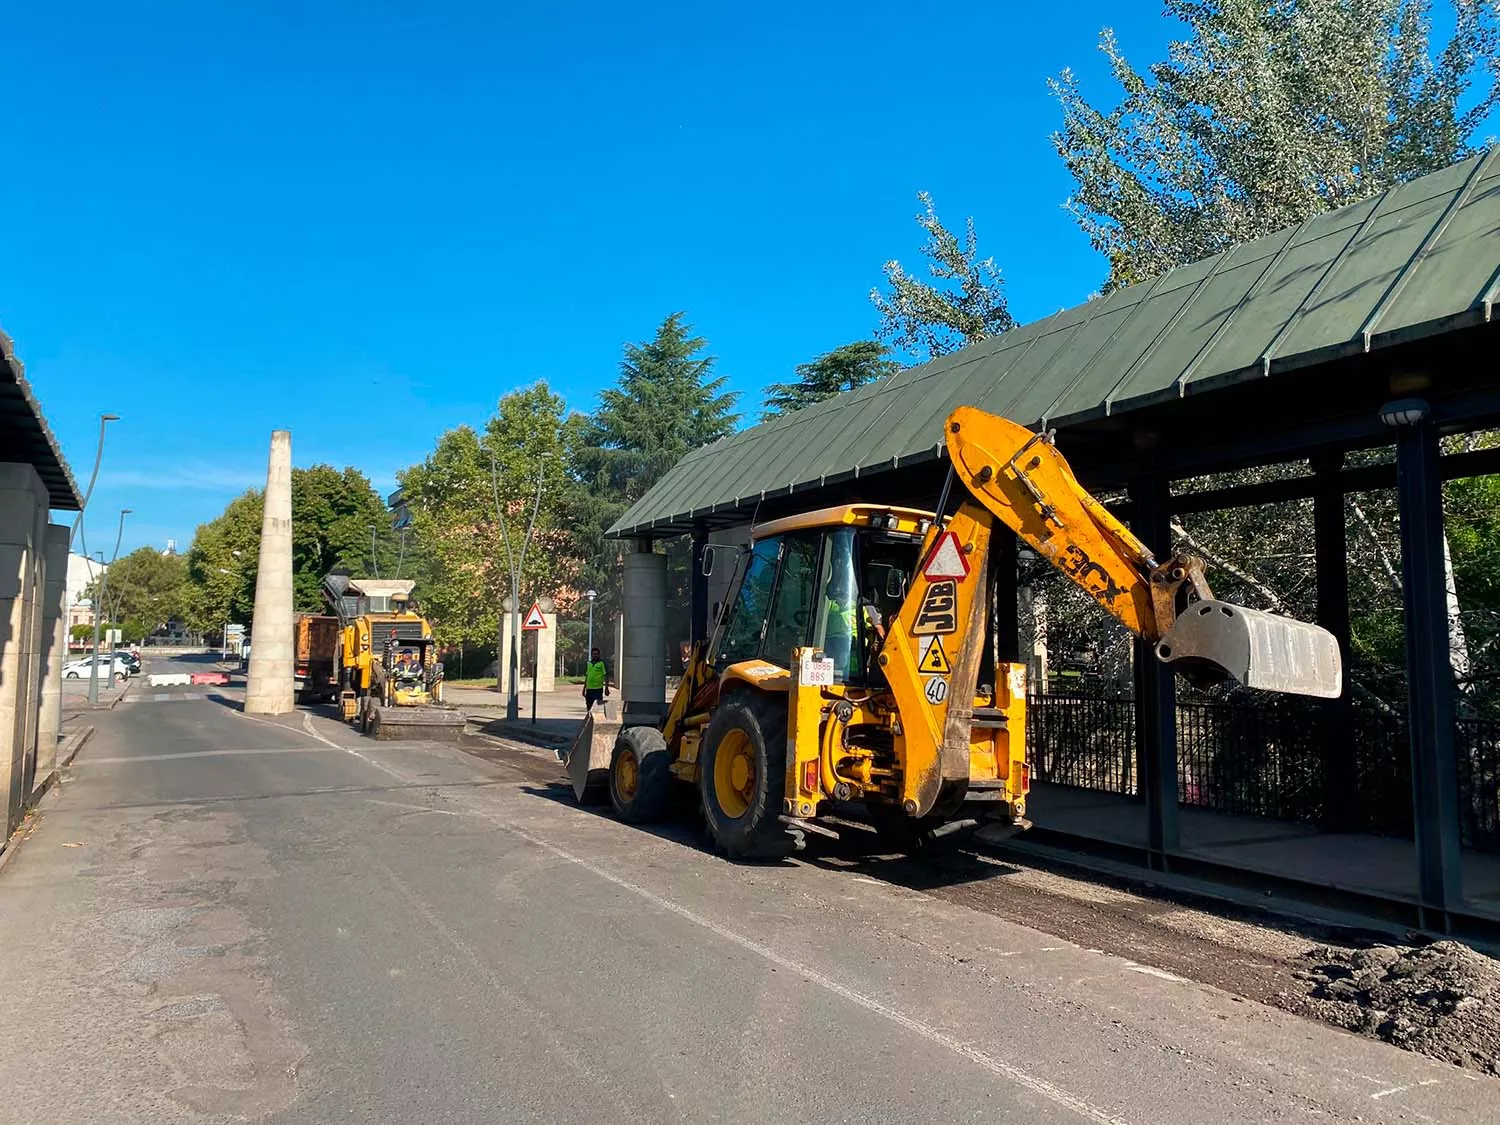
{"x":23,"y":526}
{"x":54,"y":651}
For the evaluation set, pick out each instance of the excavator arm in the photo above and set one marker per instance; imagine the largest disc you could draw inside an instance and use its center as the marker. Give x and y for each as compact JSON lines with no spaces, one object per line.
{"x":933,"y":649}
{"x":1024,"y":482}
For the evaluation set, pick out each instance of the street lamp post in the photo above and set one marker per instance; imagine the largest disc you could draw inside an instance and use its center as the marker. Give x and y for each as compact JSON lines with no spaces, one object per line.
{"x":99,"y":612}
{"x":104,"y":420}
{"x":516,"y":562}
{"x":591,"y":595}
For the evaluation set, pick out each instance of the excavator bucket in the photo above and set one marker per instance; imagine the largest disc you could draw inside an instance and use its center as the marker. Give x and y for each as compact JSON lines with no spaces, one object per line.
{"x":1260,"y":650}
{"x":588,"y":759}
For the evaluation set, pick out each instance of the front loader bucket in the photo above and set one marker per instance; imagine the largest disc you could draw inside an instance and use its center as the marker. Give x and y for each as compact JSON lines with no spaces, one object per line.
{"x":1260,"y":650}
{"x":588,"y":759}
{"x":402,"y":724}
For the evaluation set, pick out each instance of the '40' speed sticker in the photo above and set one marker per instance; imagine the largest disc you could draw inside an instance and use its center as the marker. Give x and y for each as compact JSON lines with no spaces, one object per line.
{"x":936,"y":690}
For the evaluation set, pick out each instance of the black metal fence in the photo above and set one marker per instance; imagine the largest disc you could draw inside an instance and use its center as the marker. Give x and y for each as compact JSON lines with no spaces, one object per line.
{"x":1268,"y":759}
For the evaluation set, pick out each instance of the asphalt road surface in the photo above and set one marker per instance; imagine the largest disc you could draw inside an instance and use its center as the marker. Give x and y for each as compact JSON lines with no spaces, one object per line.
{"x":222,"y":918}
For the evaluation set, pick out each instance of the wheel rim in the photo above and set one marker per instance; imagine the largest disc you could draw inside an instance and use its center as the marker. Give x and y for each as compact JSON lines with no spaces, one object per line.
{"x":734,"y":774}
{"x":627,"y":775}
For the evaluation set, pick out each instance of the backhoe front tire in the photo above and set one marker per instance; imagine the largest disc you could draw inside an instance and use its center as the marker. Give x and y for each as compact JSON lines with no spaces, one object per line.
{"x":742,"y":777}
{"x":640,"y":776}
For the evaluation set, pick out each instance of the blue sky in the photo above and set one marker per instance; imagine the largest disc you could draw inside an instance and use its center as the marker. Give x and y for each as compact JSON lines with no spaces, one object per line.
{"x":365,"y":222}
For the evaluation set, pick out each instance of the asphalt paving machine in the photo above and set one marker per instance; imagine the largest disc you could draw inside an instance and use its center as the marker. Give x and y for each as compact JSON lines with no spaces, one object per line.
{"x":390,"y":679}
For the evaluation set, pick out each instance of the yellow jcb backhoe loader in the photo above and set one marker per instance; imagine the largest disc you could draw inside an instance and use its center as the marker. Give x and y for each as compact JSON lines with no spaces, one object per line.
{"x":852,"y":662}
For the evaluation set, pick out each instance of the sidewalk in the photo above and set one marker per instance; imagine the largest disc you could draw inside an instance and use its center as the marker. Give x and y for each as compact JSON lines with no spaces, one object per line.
{"x":75,"y":696}
{"x":558,"y":713}
{"x":1323,"y":863}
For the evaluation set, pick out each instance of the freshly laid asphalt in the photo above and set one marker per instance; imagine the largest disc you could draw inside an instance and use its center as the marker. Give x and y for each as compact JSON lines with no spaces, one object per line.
{"x":220,"y":918}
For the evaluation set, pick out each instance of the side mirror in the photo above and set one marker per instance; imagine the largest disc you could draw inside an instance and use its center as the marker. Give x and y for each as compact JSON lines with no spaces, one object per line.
{"x":895,"y":584}
{"x":709,"y":554}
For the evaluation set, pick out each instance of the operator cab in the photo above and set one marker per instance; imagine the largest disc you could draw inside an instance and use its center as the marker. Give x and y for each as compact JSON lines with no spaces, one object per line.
{"x":831,"y":579}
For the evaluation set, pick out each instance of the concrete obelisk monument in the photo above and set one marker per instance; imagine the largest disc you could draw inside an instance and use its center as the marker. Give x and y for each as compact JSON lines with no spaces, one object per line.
{"x":268,"y":689}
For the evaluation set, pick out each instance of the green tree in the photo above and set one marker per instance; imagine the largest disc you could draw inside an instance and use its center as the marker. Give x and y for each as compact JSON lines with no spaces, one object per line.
{"x":843,"y":369}
{"x":1266,"y":114}
{"x":144,"y":589}
{"x":965,"y":306}
{"x":338,"y":519}
{"x":667,"y":402}
{"x":333,"y":515}
{"x":452,"y":500}
{"x":221,"y":566}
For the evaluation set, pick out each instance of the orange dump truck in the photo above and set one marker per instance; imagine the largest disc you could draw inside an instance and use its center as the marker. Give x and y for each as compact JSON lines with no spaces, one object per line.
{"x":313,"y":666}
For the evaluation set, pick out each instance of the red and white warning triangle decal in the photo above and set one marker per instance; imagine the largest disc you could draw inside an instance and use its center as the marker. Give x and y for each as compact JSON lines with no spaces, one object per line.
{"x":947,"y":559}
{"x":534,"y":618}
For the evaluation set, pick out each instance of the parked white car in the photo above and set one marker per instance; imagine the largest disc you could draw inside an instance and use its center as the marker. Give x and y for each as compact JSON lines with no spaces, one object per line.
{"x":109,"y":666}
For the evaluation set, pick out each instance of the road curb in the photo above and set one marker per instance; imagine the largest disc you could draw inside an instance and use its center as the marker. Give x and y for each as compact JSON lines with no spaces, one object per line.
{"x":72,"y":744}
{"x":519,"y":731}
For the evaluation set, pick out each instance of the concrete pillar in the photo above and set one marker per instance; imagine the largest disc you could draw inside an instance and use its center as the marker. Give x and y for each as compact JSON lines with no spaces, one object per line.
{"x":54,"y":649}
{"x":502,"y":672}
{"x":643,"y":673}
{"x":23,"y":522}
{"x":268,"y":690}
{"x":546,"y":654}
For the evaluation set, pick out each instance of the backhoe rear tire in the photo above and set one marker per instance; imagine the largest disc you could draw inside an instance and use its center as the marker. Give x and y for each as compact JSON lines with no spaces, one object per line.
{"x":640,"y":776}
{"x":742,"y":777}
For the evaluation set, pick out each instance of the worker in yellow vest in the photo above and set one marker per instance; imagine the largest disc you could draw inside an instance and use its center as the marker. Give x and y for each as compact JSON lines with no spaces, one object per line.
{"x":595,"y":683}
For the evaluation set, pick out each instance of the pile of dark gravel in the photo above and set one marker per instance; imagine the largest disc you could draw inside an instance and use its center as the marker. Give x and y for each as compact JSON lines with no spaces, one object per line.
{"x":1441,"y":999}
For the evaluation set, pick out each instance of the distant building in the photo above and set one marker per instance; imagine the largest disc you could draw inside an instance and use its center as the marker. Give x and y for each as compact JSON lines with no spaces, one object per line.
{"x":400,"y":513}
{"x":171,"y":549}
{"x":83,"y":572}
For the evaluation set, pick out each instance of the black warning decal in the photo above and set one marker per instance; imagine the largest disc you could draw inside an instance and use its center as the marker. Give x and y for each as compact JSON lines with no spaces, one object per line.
{"x":934,"y":661}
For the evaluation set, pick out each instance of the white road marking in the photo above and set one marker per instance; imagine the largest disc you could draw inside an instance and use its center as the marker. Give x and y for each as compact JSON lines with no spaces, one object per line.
{"x":308,"y":727}
{"x":1037,"y":1085}
{"x":1159,"y":973}
{"x":1402,"y":1089}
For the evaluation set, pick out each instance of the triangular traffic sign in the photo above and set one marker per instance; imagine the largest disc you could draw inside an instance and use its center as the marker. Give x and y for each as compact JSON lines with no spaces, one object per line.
{"x":947,"y":559}
{"x":534,"y":618}
{"x":934,"y":661}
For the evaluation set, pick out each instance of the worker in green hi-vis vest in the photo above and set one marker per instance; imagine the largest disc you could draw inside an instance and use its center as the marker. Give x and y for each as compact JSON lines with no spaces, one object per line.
{"x":595,"y":683}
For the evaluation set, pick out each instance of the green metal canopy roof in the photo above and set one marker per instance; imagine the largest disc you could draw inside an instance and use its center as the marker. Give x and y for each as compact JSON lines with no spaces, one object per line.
{"x":1421,"y":259}
{"x":24,"y":435}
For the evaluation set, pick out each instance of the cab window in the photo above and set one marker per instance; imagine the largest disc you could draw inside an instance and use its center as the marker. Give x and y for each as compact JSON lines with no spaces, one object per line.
{"x":792,"y":611}
{"x":752,"y":602}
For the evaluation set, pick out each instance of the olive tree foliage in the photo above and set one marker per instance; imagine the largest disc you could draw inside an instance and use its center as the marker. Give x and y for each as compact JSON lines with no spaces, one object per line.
{"x":1265,"y":114}
{"x":964,"y":303}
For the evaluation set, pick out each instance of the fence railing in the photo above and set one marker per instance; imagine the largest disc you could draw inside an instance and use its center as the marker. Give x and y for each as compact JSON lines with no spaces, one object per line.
{"x":1267,"y":759}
